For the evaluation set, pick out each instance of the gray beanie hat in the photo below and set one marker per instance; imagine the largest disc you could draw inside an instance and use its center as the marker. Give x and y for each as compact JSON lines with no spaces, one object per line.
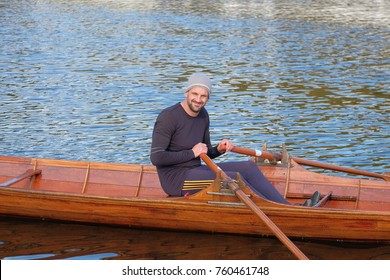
{"x":199,"y":79}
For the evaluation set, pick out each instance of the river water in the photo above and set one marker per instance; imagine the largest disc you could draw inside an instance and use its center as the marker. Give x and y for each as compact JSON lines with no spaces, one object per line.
{"x":85,"y":80}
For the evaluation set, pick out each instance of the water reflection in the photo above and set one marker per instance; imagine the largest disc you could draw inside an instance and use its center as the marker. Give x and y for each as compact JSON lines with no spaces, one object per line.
{"x":44,"y":240}
{"x":346,"y":12}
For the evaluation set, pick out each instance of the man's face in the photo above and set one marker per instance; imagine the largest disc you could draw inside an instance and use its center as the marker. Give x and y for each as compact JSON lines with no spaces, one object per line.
{"x":197,"y":98}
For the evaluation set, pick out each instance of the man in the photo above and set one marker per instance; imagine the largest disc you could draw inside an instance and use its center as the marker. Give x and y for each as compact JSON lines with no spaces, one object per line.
{"x":181,"y":134}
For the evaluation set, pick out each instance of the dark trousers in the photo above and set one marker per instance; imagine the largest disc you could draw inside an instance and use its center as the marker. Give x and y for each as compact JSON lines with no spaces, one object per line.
{"x":249,"y":172}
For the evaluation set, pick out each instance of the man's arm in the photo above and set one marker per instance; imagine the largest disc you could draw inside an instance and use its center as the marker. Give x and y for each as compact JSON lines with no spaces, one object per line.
{"x":162,"y":132}
{"x":212,"y":151}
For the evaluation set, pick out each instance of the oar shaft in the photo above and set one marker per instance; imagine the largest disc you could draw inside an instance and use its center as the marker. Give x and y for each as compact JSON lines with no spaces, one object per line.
{"x":276,"y":156}
{"x":337,"y":168}
{"x":271,"y":225}
{"x":252,"y":206}
{"x":256,"y":153}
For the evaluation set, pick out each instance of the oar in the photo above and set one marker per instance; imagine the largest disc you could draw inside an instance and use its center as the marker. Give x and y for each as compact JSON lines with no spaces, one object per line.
{"x":271,"y":156}
{"x":251,"y":205}
{"x":29,"y":173}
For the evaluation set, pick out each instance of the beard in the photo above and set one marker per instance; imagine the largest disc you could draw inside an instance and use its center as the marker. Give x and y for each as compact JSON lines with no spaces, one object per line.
{"x":195,"y":107}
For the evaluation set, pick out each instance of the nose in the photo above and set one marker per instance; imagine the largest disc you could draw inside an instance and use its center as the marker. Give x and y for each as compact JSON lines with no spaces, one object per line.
{"x":198,"y":98}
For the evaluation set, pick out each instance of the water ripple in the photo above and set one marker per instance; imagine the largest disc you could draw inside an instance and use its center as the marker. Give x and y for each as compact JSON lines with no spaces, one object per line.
{"x":86,"y":79}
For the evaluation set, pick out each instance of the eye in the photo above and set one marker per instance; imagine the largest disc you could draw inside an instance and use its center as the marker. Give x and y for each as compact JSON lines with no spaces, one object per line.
{"x":196,"y":94}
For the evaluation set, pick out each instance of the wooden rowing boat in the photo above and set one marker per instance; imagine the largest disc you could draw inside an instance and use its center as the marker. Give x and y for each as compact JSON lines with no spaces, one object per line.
{"x":352,"y":208}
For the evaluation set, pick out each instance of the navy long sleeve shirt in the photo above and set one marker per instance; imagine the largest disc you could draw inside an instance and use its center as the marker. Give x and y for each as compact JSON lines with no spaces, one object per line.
{"x":175,"y":133}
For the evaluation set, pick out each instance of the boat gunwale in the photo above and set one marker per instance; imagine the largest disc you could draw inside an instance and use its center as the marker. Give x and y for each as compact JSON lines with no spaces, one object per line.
{"x":34,"y":162}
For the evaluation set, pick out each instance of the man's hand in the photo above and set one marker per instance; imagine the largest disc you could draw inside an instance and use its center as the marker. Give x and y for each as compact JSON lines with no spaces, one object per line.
{"x":199,"y":148}
{"x":225,"y":146}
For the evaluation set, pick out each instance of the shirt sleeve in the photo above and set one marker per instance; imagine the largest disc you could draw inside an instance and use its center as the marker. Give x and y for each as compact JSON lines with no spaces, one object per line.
{"x":160,"y":155}
{"x":212,"y":151}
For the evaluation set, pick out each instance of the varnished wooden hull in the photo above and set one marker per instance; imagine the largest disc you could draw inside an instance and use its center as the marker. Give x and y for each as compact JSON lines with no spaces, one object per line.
{"x":130,"y":195}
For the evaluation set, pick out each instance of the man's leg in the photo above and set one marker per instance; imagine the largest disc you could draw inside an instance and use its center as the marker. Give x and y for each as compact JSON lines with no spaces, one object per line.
{"x":201,"y":177}
{"x":255,"y":179}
